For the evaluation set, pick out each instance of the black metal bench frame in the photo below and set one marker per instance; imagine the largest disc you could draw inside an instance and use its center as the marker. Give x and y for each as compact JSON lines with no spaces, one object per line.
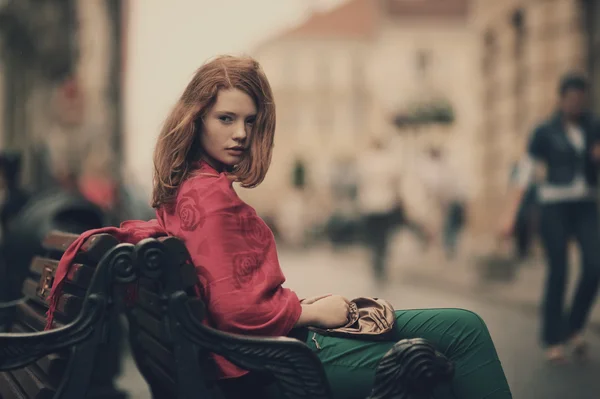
{"x":409,"y":370}
{"x":81,"y":337}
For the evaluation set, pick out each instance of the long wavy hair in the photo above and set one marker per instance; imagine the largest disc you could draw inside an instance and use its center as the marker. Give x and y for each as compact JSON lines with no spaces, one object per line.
{"x":178,"y":146}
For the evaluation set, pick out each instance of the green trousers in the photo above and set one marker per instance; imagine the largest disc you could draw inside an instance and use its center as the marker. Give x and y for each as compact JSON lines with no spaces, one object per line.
{"x":350,"y":364}
{"x":459,"y":334}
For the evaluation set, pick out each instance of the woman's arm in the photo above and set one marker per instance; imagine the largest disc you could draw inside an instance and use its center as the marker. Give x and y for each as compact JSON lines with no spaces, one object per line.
{"x":308,"y":317}
{"x":329,"y":312}
{"x":236,"y":260}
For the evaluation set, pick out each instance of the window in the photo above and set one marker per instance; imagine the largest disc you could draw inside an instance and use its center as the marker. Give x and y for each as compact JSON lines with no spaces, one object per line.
{"x":423,"y":62}
{"x":490,"y":47}
{"x":518,"y":23}
{"x":359,"y":95}
{"x":323,"y":71}
{"x":325,"y":117}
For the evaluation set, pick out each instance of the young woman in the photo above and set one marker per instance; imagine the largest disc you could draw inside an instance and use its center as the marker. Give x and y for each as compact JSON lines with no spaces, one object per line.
{"x":567,"y":146}
{"x":221,"y":131}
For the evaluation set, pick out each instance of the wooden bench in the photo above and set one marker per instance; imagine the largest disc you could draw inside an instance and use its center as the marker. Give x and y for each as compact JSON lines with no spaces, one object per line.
{"x":171,"y":345}
{"x":75,"y":359}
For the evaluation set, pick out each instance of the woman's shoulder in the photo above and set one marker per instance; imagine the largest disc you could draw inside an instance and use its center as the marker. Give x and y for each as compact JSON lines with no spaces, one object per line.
{"x":207,"y":182}
{"x":208,"y":190}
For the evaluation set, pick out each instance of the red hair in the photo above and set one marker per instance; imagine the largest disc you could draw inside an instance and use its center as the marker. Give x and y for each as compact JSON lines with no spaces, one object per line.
{"x":178,"y":145}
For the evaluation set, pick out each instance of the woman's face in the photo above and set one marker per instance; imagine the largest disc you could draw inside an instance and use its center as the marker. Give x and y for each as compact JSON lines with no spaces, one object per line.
{"x":226,"y":128}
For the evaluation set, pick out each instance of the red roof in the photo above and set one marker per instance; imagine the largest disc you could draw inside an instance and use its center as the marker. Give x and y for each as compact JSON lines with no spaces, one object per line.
{"x":360,"y":18}
{"x":352,"y":19}
{"x":428,"y":8}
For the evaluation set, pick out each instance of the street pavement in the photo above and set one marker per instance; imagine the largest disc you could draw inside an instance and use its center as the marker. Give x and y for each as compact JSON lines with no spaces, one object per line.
{"x":524,"y":291}
{"x":514,"y":330}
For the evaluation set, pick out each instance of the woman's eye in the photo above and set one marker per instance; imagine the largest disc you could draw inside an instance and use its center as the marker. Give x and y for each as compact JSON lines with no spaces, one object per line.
{"x":251,"y":121}
{"x":226,"y":118}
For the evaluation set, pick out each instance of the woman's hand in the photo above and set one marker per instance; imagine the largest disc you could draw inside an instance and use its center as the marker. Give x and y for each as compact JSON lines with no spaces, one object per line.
{"x":310,"y":301}
{"x":331,"y":311}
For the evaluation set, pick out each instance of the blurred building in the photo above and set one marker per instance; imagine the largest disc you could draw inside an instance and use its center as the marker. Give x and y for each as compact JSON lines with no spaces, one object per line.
{"x":526,"y":45}
{"x":60,"y":63}
{"x":344,"y":75}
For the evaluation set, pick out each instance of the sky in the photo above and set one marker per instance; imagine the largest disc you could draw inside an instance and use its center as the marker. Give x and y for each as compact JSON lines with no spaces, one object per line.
{"x":169,"y":40}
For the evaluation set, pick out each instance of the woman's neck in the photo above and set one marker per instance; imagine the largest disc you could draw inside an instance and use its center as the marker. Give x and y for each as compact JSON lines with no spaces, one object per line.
{"x":213,"y":163}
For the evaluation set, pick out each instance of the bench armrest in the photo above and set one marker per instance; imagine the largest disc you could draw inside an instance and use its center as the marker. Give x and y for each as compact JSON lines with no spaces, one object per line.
{"x":20,"y":349}
{"x":296,"y":368}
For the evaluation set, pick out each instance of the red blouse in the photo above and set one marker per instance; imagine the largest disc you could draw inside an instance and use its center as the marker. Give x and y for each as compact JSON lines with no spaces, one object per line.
{"x":233,"y":251}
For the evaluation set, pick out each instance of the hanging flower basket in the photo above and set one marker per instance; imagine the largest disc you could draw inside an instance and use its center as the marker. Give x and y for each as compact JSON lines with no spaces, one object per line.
{"x":437,"y":112}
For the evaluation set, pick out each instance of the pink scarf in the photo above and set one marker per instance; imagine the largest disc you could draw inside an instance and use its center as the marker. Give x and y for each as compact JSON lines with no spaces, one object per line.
{"x":233,"y":251}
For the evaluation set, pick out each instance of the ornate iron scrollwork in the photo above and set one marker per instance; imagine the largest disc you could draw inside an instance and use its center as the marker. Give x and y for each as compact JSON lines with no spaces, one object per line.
{"x":18,"y":350}
{"x":408,"y":371}
{"x":150,"y":254}
{"x":123,"y":267}
{"x":297,"y":369}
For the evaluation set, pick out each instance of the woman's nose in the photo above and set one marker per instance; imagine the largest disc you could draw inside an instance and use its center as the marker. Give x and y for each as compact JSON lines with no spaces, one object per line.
{"x":240,"y":131}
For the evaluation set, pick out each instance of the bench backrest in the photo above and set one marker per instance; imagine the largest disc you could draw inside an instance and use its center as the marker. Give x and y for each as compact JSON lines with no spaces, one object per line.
{"x":42,"y":378}
{"x":150,"y":340}
{"x":172,"y":345}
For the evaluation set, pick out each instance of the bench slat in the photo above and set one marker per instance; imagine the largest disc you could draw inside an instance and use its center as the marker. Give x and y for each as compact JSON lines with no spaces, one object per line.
{"x":91,"y":251}
{"x":95,"y":248}
{"x":69,"y":305}
{"x":79,"y":274}
{"x":31,"y":315}
{"x":147,"y":322}
{"x":58,"y":240}
{"x":160,"y":375}
{"x":189,"y":279}
{"x":53,"y":365}
{"x":33,"y":382}
{"x":149,"y":301}
{"x":40,"y":379}
{"x":9,"y":387}
{"x":158,"y":351}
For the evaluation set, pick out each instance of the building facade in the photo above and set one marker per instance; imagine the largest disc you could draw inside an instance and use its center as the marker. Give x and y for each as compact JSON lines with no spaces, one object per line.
{"x":340,"y":78}
{"x":61,"y":69}
{"x":526,"y":46}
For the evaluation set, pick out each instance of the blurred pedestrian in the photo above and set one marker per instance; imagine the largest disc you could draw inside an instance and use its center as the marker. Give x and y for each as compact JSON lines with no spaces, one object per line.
{"x":445,"y":185}
{"x":378,"y":200}
{"x":567,"y":145}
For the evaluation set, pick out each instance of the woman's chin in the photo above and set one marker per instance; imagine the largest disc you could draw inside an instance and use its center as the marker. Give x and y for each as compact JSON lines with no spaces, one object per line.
{"x":231,"y":160}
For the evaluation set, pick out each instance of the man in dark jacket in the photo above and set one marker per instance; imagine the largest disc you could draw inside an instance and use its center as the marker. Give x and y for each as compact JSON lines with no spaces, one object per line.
{"x":567,"y":146}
